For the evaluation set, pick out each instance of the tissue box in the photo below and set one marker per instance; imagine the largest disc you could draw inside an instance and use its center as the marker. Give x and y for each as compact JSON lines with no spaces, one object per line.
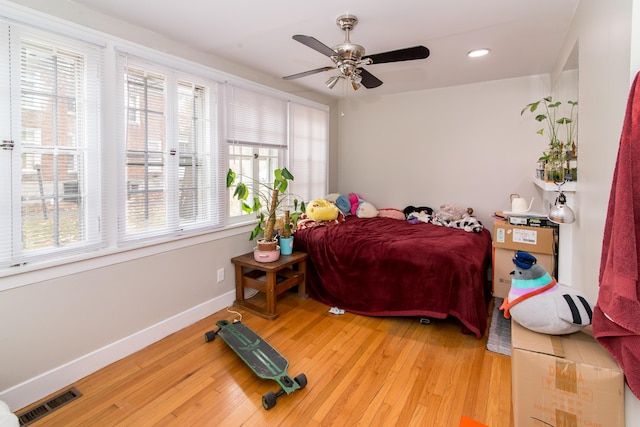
{"x":509,"y":238}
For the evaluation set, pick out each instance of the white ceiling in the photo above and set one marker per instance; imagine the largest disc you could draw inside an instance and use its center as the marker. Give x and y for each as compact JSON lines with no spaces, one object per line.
{"x":524,"y":35}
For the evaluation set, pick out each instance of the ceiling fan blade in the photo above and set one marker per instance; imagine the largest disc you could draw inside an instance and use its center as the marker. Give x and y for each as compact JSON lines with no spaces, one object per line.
{"x":308,"y":73}
{"x":314,"y":44}
{"x":407,"y":54}
{"x":369,"y":80}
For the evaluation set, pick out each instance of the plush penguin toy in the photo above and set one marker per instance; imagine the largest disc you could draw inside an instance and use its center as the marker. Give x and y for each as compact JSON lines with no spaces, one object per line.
{"x":538,"y":302}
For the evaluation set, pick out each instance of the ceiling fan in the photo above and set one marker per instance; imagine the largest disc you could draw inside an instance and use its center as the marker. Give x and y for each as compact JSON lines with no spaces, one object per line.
{"x":348,"y":58}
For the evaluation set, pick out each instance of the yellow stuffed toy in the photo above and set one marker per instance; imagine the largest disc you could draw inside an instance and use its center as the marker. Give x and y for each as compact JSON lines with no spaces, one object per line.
{"x":321,"y":210}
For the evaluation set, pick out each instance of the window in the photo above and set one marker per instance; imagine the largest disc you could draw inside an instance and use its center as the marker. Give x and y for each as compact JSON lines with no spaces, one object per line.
{"x":52,"y":203}
{"x":265,"y":133}
{"x":170,"y":133}
{"x":170,"y":148}
{"x":257,"y":138}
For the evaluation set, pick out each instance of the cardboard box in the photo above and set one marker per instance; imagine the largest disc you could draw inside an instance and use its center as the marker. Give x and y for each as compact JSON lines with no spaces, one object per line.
{"x":502,"y":266}
{"x":567,"y":380}
{"x":540,"y":240}
{"x":509,"y":238}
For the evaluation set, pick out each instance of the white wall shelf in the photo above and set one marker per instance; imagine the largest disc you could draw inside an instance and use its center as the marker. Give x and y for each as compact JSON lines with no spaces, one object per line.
{"x":569,"y":186}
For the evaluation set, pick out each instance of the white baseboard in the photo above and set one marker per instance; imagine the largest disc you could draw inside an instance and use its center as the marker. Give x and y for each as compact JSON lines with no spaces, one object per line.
{"x":38,"y":387}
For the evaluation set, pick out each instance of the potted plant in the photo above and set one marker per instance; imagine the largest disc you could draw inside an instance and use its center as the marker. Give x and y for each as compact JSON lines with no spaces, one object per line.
{"x":555,"y":161}
{"x":289,"y":224}
{"x":286,"y":238}
{"x":268,"y":200}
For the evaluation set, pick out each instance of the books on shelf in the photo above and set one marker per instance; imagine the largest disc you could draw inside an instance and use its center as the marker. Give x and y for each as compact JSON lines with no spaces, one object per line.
{"x":528,"y":219}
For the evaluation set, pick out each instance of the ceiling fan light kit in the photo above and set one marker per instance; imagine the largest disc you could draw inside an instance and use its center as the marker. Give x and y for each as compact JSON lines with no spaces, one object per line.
{"x":348,"y":58}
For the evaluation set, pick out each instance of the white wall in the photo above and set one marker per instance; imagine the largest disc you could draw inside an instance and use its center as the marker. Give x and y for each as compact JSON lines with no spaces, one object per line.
{"x":607,"y":33}
{"x":464,"y":145}
{"x":469,"y":146}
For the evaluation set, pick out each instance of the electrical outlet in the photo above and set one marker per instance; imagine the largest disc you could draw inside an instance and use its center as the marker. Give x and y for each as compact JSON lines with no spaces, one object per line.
{"x":220,"y":275}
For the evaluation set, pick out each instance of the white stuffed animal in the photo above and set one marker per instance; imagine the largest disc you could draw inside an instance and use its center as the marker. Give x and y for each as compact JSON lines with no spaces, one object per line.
{"x":538,"y":302}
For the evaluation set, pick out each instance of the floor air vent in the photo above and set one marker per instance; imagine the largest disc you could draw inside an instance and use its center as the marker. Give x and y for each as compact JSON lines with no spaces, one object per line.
{"x":49,"y":406}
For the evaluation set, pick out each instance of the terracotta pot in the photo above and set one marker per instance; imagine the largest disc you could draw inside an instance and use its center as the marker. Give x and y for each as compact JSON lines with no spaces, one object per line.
{"x":264,"y":245}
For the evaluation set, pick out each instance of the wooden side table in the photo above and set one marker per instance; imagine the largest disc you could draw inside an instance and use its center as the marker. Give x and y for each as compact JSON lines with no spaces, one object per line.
{"x":272,"y":278}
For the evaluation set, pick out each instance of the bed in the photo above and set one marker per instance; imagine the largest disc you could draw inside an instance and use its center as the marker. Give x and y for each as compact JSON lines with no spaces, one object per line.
{"x":388,"y":267}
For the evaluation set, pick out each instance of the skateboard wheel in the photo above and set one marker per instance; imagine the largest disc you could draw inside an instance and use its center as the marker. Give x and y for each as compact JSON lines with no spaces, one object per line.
{"x":210,"y":336}
{"x":301,"y":380}
{"x":269,"y":400}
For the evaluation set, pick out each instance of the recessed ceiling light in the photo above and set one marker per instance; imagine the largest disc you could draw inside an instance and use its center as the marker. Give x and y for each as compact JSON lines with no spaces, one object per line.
{"x":478,"y":52}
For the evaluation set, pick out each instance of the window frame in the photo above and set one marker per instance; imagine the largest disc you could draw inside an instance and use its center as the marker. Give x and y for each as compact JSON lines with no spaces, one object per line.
{"x":52,"y":128}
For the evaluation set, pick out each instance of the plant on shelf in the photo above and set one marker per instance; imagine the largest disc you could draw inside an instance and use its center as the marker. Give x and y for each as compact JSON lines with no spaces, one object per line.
{"x":571,"y":147}
{"x":286,"y":238}
{"x":556,"y":160}
{"x":269,"y":199}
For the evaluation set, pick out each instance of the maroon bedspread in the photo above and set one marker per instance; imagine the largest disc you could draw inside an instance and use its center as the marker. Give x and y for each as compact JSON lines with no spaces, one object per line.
{"x":388,"y":267}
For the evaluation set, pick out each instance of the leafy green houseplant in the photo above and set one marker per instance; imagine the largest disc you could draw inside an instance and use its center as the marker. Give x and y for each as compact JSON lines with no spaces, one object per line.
{"x":557,"y":160}
{"x":269,"y":200}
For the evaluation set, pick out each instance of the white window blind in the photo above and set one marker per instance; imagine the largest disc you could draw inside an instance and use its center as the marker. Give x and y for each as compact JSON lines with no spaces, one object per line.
{"x":308,"y":151}
{"x":254,"y":118}
{"x":257,"y":135}
{"x":52,"y":202}
{"x":172,"y":166}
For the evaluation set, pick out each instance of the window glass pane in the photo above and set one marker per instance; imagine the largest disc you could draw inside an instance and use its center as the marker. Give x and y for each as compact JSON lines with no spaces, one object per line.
{"x":145,"y":171}
{"x":268,"y":162}
{"x":195,"y":154}
{"x":53,"y":90}
{"x":174,"y":171}
{"x":241,"y":162}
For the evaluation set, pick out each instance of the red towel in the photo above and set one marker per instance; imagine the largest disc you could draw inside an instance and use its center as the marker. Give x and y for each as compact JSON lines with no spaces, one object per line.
{"x":616,"y":320}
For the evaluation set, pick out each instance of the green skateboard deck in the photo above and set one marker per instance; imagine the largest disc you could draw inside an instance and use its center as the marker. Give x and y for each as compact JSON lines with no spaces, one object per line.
{"x":260,"y":356}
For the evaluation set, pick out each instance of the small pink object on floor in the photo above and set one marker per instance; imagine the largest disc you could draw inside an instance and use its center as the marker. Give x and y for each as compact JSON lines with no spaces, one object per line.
{"x":468,"y":422}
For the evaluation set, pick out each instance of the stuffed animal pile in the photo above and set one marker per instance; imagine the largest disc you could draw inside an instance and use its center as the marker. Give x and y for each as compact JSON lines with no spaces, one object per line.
{"x":538,"y":302}
{"x":448,"y":216}
{"x":453,"y":213}
{"x":353,"y":204}
{"x":322,"y":210}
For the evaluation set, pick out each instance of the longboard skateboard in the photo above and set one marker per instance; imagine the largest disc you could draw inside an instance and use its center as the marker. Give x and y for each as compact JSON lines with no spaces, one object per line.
{"x":260,"y":356}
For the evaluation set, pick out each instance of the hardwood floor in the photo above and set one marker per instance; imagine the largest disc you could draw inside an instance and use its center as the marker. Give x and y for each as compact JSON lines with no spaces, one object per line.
{"x":361,"y":371}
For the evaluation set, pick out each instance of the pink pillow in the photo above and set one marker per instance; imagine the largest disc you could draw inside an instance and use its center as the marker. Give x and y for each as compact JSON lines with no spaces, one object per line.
{"x":391,"y":213}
